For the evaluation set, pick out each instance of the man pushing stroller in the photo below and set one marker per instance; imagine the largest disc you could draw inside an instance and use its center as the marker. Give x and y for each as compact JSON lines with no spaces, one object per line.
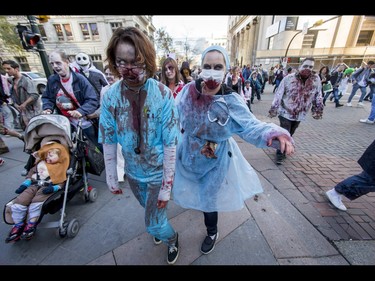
{"x":47,"y":176}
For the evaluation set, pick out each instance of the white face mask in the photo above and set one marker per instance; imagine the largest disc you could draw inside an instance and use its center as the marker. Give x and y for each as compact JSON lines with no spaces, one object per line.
{"x":212,"y":74}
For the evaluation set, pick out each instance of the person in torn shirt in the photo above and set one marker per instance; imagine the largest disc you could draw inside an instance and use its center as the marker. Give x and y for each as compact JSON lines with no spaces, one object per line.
{"x":212,"y":175}
{"x":297,"y":94}
{"x":139,"y":113}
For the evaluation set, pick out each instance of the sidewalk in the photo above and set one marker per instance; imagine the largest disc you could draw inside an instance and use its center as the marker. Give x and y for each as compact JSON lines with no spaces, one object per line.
{"x":282,"y":226}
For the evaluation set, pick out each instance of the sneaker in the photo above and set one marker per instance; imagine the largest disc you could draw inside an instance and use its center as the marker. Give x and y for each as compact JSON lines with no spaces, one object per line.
{"x":339,"y":105}
{"x":349,"y":104}
{"x":209,"y":243}
{"x":367,"y":121}
{"x":173,"y":252}
{"x":157,"y":241}
{"x":360,"y":104}
{"x":2,"y":161}
{"x":279,"y":159}
{"x":15,"y":233}
{"x":24,"y":173}
{"x":335,"y":198}
{"x":29,"y":231}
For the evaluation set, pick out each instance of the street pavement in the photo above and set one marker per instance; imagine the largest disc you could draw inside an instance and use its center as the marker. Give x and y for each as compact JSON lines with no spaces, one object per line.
{"x":290,"y":223}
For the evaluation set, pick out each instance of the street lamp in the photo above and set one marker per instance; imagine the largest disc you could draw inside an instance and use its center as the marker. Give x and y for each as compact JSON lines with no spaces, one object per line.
{"x":317,"y":23}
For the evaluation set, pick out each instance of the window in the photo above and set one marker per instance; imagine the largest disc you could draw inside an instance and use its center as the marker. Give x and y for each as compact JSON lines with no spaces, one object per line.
{"x":59,"y":32}
{"x":42,"y":32}
{"x":24,"y":65}
{"x":364,"y":38}
{"x":309,"y":39}
{"x":115,"y":25}
{"x":94,"y":31}
{"x":68,"y":31}
{"x":90,"y":31}
{"x":64,"y":32}
{"x":85,"y":31}
{"x":97,"y":62}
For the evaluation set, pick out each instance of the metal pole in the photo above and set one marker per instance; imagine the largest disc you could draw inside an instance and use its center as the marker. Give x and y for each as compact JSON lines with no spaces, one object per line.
{"x":40,"y":46}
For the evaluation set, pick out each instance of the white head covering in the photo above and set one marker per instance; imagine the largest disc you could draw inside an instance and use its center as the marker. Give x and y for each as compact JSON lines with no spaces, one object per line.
{"x":219,"y":49}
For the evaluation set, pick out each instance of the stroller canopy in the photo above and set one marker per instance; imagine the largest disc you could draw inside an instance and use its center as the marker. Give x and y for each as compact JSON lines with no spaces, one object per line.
{"x":48,"y":127}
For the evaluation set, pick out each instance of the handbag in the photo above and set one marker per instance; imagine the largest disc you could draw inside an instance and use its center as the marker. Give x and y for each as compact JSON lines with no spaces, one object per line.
{"x":327,"y":87}
{"x":94,"y":159}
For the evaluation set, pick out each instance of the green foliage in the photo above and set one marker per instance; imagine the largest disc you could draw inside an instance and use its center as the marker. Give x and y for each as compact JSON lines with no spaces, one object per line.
{"x":163,"y":41}
{"x":9,"y":37}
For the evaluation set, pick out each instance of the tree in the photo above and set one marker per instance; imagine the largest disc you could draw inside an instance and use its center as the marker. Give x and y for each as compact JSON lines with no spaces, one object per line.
{"x":9,"y":36}
{"x":163,"y":41}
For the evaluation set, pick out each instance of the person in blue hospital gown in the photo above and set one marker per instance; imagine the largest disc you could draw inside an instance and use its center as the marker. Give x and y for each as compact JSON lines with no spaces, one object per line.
{"x":211,"y":173}
{"x":139,"y":113}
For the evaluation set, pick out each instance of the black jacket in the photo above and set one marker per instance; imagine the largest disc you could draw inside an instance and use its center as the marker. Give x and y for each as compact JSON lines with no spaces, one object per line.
{"x":367,"y":160}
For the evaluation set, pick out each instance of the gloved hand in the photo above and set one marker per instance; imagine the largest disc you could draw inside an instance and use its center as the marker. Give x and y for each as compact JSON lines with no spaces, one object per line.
{"x":51,"y":188}
{"x":23,"y":186}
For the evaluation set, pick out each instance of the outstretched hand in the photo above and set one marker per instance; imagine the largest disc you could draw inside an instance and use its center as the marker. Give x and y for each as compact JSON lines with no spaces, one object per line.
{"x":283,"y":143}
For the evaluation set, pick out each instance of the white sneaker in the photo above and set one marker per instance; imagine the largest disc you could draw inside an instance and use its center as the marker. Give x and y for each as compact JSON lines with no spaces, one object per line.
{"x":349,"y":104}
{"x":360,"y":104}
{"x":367,"y":121}
{"x":335,"y":198}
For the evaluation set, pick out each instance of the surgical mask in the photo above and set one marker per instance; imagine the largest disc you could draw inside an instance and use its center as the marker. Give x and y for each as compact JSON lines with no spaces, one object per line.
{"x":212,"y":77}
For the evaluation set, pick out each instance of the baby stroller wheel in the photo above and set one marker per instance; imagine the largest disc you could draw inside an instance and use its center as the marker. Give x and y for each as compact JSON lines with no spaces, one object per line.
{"x":61,"y":232}
{"x":73,"y":228}
{"x":93,"y":194}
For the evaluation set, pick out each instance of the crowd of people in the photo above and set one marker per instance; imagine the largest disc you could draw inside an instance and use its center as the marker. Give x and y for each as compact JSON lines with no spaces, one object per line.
{"x":170,"y":133}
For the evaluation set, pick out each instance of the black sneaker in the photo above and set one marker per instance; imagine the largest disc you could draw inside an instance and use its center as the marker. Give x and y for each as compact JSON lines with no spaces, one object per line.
{"x":173,"y":252}
{"x":279,"y":159}
{"x":157,"y":241}
{"x":209,"y":244}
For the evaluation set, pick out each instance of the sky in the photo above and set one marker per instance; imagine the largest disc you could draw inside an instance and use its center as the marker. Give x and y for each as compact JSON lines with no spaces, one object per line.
{"x":192,"y":26}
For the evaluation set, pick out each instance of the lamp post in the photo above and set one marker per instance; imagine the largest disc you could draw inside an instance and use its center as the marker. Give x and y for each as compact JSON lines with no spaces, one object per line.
{"x":317,"y":23}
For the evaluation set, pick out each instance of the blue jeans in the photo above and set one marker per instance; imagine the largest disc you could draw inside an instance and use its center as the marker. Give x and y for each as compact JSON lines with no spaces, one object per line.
{"x":372,"y":113}
{"x":354,"y":90}
{"x":356,"y":186}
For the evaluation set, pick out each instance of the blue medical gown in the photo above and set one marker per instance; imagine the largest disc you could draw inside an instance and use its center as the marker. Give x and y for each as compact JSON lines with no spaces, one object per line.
{"x":225,"y":182}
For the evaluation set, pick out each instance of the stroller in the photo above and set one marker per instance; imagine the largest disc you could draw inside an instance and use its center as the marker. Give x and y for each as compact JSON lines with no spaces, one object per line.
{"x":58,"y":128}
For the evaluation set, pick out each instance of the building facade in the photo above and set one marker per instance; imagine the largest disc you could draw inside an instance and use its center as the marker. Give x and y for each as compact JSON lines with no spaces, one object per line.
{"x":73,"y":34}
{"x":270,"y":40}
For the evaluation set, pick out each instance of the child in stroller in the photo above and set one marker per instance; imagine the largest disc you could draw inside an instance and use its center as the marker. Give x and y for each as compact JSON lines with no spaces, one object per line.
{"x":44,"y":133}
{"x":47,"y":176}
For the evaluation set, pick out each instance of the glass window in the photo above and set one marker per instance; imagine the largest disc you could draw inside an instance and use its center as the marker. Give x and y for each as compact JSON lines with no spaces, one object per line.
{"x":68,"y":31}
{"x":85,"y":31}
{"x":115,"y":25}
{"x":365,"y":37}
{"x":94,"y":31}
{"x":59,"y":32}
{"x":22,"y":61}
{"x":42,"y":32}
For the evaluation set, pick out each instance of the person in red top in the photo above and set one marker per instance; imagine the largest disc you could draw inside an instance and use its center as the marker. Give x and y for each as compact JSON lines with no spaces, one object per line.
{"x":171,"y":77}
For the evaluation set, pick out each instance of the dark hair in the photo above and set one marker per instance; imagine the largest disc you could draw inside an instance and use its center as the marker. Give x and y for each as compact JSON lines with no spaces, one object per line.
{"x":370,"y":62}
{"x":144,"y":49}
{"x":12,"y":63}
